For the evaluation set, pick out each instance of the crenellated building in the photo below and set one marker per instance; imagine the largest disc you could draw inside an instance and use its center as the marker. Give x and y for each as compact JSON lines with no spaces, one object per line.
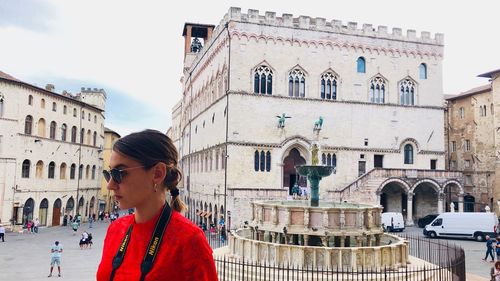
{"x":50,"y":152}
{"x":261,"y":89}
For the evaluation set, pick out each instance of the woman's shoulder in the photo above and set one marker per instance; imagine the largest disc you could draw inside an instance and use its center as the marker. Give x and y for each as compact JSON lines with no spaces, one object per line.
{"x":182,"y":223}
{"x":121,"y":222}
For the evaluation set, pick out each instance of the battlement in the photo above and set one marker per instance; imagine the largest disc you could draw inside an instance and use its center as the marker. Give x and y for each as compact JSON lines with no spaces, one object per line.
{"x":321,"y":24}
{"x":92,"y":91}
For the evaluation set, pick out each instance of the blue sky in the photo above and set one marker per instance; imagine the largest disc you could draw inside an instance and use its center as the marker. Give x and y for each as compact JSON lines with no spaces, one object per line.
{"x":134,"y":49}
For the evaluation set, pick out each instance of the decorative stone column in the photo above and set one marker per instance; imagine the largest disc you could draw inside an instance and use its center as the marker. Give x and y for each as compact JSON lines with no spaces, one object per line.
{"x":440,"y":202}
{"x":409,"y":209}
{"x":306,"y":218}
{"x":306,"y":240}
{"x":342,"y":219}
{"x":274,"y":215}
{"x":273,"y":237}
{"x":461,"y":203}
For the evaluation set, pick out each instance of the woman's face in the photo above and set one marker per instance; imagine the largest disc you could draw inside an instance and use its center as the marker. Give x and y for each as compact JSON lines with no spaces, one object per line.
{"x":136,"y":187}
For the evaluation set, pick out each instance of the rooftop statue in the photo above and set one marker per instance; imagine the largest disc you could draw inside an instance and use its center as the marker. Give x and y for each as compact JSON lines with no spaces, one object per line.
{"x":318,"y":124}
{"x":281,"y":120}
{"x":196,"y":45}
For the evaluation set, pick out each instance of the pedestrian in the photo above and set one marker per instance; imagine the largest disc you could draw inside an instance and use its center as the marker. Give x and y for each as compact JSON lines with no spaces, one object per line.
{"x":36,"y":224}
{"x":489,"y":248}
{"x":495,"y":272}
{"x":55,"y":258}
{"x":83,"y":241}
{"x":157,"y":238}
{"x":91,"y":220}
{"x":223,"y":234}
{"x":29,"y":226}
{"x":2,"y":232}
{"x":74,"y":226}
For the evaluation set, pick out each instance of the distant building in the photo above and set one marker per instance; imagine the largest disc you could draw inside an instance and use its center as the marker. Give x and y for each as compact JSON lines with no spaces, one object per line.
{"x":473,"y":144}
{"x":372,"y":99}
{"x":49,"y":151}
{"x":105,"y":201}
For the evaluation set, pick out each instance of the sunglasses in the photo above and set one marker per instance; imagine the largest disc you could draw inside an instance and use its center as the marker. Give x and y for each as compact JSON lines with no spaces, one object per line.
{"x":116,"y":174}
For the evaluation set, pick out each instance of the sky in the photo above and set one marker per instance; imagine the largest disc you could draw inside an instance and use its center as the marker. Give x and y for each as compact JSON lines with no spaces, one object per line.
{"x":134,"y":49}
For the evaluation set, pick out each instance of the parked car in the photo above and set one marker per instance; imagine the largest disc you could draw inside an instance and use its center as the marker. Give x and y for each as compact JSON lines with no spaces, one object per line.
{"x":392,"y":221}
{"x":422,"y":222}
{"x":462,"y":225}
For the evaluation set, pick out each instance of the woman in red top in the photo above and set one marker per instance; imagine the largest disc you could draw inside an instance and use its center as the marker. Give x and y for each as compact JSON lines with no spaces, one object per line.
{"x":156,"y":242}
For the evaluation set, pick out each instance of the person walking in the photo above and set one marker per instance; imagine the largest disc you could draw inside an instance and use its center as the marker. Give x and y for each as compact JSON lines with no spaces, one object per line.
{"x":91,"y":220}
{"x":35,"y":225}
{"x":489,"y":249}
{"x":2,"y":232}
{"x":74,"y":226}
{"x":55,"y":258}
{"x":156,"y":242}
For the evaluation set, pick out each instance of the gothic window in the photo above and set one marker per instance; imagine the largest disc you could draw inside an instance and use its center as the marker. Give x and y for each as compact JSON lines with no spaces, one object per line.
{"x":422,"y":70}
{"x":42,"y":103}
{"x":407,"y":92}
{"x":83,"y":114}
{"x":95,"y":119}
{"x":262,"y":160}
{"x":217,"y":160}
{"x":296,"y":83}
{"x":87,"y":172}
{"x":329,"y":86}
{"x":361,"y":65}
{"x":82,"y":135}
{"x":64,"y":128}
{"x":94,"y":141}
{"x":89,"y":135}
{"x":52,"y":168}
{"x":461,"y":113}
{"x":39,"y":169}
{"x":26,"y":169}
{"x":62,"y":171}
{"x":52,"y":133}
{"x":65,"y":110}
{"x":93,"y":172}
{"x":54,"y":106}
{"x":30,"y":100}
{"x":80,"y":172}
{"x":88,"y":117}
{"x":73,"y":134}
{"x":28,"y":125}
{"x":74,"y":112}
{"x":377,"y":90}
{"x":263,"y":80}
{"x":268,"y":161}
{"x":41,"y":127}
{"x":408,"y":150}
{"x":72,"y":171}
{"x":329,"y":159}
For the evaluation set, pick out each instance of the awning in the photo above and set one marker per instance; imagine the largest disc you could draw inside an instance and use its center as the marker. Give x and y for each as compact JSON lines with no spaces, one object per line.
{"x":198,"y":213}
{"x":208,"y":214}
{"x":203,"y":214}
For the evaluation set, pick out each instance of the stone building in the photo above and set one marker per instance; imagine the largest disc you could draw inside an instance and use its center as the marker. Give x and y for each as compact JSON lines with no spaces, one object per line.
{"x":105,"y":202}
{"x":50,"y":151}
{"x":261,"y":89}
{"x":472,"y":122}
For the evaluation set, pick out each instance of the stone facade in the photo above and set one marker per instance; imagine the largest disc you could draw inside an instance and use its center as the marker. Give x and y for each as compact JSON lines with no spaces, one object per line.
{"x":471,"y":145}
{"x":46,"y":141}
{"x":110,"y":137}
{"x":227,"y":130}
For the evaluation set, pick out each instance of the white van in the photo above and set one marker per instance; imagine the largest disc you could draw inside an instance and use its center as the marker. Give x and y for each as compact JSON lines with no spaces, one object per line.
{"x":462,"y":225}
{"x":393,"y":221}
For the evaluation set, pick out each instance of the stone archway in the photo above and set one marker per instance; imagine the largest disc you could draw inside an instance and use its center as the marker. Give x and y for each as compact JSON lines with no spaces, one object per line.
{"x":452,"y":193}
{"x":56,"y":212}
{"x":29,"y":207}
{"x":80,"y":206}
{"x":290,"y":176}
{"x":43,"y":211}
{"x":393,"y":195}
{"x":70,"y":205}
{"x":426,"y":198}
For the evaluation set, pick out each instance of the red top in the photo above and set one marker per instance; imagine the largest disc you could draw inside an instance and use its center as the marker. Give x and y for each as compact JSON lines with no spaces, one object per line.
{"x":184,"y":253}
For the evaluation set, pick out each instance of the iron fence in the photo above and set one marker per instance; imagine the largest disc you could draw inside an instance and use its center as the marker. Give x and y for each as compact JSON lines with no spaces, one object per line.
{"x":444,"y":262}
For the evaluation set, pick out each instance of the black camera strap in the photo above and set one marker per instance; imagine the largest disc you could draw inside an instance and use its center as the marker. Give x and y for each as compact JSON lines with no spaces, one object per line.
{"x":153,"y":247}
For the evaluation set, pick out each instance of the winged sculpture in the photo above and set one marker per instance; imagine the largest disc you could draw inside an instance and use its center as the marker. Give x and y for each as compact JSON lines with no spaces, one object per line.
{"x":281,"y":120}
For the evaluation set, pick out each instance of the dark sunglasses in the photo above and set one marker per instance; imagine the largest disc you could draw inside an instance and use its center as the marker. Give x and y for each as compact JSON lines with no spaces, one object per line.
{"x":116,"y":174}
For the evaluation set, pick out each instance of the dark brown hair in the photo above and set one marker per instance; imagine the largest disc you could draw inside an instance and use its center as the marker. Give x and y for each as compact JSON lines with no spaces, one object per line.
{"x":149,"y":147}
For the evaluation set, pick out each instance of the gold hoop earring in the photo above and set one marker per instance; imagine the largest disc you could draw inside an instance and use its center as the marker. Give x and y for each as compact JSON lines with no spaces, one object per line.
{"x":155,"y":187}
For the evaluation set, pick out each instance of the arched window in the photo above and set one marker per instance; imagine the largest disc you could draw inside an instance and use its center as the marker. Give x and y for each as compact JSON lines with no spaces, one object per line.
{"x":95,"y":139}
{"x":62,"y":171}
{"x":268,"y":161}
{"x":296,"y":83}
{"x":52,"y":170}
{"x":64,"y":128}
{"x":82,"y":135}
{"x":408,"y":154}
{"x":377,"y":90}
{"x":329,"y":86}
{"x":42,"y":103}
{"x":262,"y":160}
{"x":54,"y":106}
{"x":89,"y":136}
{"x":263,"y":80}
{"x":65,"y":110}
{"x":28,"y":125}
{"x":95,"y":119}
{"x":88,"y":117}
{"x":93,"y":172}
{"x":73,"y":134}
{"x":74,"y":112}
{"x":41,"y":127}
{"x":25,"y":173}
{"x":30,"y":100}
{"x":422,"y":70}
{"x":39,"y":169}
{"x":83,"y":114}
{"x":323,"y":159}
{"x":87,"y":172}
{"x":361,"y":65}
{"x":407,"y":92}
{"x":72,"y":172}
{"x":80,"y":172}
{"x":1,"y":104}
{"x":52,"y":132}
{"x":334,"y":160}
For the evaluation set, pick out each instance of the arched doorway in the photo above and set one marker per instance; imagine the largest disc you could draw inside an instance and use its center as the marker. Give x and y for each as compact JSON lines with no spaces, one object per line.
{"x":80,"y":206}
{"x":469,"y":202}
{"x":290,"y":176}
{"x":70,"y":205}
{"x":425,"y":199}
{"x":28,"y":208}
{"x":451,"y":193}
{"x":393,"y":198}
{"x":92,"y":206}
{"x":44,"y":207}
{"x":56,"y":212}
